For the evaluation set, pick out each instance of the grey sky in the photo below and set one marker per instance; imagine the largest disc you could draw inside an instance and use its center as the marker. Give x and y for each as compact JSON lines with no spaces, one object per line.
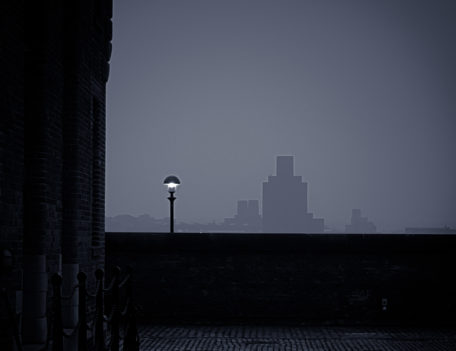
{"x":362,"y":93}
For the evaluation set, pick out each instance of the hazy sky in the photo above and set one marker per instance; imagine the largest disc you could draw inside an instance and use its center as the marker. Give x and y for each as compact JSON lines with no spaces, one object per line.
{"x":362,"y":93}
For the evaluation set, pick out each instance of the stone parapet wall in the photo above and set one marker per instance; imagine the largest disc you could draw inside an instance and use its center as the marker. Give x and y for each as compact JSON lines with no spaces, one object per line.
{"x":296,"y":278}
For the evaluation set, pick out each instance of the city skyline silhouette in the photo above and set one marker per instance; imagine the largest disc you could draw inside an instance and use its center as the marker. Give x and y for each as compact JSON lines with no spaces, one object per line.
{"x":285,"y":195}
{"x":359,"y":92}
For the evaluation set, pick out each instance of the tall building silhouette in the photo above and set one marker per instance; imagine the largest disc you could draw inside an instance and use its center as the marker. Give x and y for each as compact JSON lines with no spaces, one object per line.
{"x":359,"y":224}
{"x":285,"y":202}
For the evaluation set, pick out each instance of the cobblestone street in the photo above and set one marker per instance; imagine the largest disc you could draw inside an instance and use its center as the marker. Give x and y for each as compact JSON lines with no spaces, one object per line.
{"x":265,"y":338}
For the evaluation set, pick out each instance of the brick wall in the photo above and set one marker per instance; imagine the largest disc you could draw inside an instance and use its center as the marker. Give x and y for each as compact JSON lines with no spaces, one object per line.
{"x":55,"y":65}
{"x":11,"y":151}
{"x":11,"y":129}
{"x":330,"y":279}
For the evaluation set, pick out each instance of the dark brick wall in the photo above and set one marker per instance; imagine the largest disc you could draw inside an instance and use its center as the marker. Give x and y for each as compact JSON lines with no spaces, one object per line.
{"x":11,"y":155}
{"x":331,"y":279}
{"x":86,"y":54}
{"x":11,"y":136}
{"x":68,"y":49}
{"x":55,"y":65}
{"x":43,"y":141}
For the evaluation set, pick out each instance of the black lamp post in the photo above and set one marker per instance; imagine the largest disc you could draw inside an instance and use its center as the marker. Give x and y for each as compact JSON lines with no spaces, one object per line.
{"x":171,"y":182}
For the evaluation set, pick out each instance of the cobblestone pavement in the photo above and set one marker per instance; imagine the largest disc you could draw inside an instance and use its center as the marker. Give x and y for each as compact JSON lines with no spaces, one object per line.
{"x":268,"y":338}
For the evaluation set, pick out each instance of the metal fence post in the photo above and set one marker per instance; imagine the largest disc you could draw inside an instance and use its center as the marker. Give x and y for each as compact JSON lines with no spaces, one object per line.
{"x":57,"y":330}
{"x":82,"y":332}
{"x":115,"y":308}
{"x":99,"y":312}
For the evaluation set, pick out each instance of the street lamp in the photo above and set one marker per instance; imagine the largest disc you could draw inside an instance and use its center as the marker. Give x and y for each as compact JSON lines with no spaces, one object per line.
{"x":171,"y":182}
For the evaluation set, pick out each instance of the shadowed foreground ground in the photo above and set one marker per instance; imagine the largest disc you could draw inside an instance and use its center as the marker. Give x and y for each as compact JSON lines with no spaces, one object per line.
{"x":251,"y":338}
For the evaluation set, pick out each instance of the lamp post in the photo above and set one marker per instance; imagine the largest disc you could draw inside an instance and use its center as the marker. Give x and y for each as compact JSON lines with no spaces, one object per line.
{"x":171,"y":182}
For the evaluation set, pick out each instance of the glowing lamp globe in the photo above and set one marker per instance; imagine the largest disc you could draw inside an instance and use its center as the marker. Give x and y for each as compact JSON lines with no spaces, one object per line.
{"x":171,"y":182}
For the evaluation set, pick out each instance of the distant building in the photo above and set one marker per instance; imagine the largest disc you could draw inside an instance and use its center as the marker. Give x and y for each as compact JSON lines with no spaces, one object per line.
{"x":143,"y":223}
{"x":359,"y":224}
{"x":285,"y":202}
{"x":424,"y":230}
{"x":247,"y":218}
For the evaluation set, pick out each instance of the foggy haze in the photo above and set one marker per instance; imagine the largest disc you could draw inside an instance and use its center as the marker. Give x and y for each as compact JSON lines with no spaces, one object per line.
{"x":361,"y":93}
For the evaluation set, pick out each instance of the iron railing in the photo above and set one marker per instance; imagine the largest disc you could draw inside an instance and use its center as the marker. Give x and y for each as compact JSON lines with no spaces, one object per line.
{"x":109,"y":332}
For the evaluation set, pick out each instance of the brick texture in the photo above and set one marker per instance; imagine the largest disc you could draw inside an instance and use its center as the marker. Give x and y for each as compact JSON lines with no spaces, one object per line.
{"x":55,"y":65}
{"x":275,"y":278}
{"x":11,"y":154}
